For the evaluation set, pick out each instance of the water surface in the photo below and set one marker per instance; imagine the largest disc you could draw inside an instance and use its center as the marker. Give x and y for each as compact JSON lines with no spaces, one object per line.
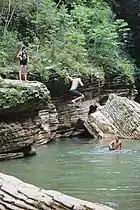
{"x":85,"y":171}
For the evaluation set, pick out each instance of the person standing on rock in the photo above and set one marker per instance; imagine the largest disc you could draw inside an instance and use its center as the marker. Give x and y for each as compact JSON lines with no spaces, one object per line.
{"x":115,"y":144}
{"x":24,"y":60}
{"x":73,"y":90}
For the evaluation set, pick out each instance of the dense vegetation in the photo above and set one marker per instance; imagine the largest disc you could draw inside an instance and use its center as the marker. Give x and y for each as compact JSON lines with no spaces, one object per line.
{"x":65,"y":35}
{"x":129,"y":11}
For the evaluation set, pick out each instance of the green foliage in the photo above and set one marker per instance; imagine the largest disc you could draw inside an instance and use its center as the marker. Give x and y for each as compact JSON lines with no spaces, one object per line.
{"x":102,"y":40}
{"x":12,"y":95}
{"x":9,"y":45}
{"x":66,"y":36}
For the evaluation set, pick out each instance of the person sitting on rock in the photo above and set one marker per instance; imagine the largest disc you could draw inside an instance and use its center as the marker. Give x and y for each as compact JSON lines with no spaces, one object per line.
{"x":73,"y":90}
{"x":115,"y":144}
{"x":92,"y":109}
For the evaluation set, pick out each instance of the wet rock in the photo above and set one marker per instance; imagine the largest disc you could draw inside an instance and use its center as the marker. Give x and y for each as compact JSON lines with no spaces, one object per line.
{"x":17,"y":195}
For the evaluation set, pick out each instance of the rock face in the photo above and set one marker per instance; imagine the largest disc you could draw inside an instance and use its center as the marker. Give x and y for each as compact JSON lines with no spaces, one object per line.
{"x":119,"y":116}
{"x":95,"y":91}
{"x":27,"y":115}
{"x":17,"y":195}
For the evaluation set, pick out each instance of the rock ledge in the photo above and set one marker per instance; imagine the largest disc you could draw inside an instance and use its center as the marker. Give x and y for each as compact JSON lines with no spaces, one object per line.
{"x":17,"y":195}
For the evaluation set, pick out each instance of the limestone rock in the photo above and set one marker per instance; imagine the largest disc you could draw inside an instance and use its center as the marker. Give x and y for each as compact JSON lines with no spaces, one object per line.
{"x":27,"y":116}
{"x":119,"y":116}
{"x":17,"y":195}
{"x":15,"y":95}
{"x":95,"y":92}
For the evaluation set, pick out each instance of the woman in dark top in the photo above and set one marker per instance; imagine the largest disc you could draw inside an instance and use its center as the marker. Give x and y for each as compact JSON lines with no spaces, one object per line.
{"x":24,"y":60}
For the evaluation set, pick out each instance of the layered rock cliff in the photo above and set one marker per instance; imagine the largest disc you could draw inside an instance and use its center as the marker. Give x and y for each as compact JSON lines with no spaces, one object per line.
{"x":70,"y":115}
{"x":119,"y":116}
{"x":27,"y":116}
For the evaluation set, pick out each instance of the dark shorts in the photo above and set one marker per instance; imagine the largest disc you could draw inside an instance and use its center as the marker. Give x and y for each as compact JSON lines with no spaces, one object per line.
{"x":74,"y":92}
{"x":110,"y":149}
{"x":23,"y":62}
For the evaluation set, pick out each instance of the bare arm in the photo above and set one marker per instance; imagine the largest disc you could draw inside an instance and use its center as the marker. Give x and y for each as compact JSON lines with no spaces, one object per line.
{"x":111,"y":144}
{"x":70,"y":78}
{"x":28,"y":59}
{"x":80,"y":82}
{"x":19,"y":55}
{"x":120,"y":145}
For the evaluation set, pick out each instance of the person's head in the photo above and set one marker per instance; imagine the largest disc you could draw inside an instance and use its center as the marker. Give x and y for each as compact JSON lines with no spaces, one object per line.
{"x":117,"y":139}
{"x":76,"y":75}
{"x":92,"y":109}
{"x":24,"y":48}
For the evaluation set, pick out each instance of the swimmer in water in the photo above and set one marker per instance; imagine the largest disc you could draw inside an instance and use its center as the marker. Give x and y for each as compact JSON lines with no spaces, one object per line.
{"x":115,"y":144}
{"x":73,"y":90}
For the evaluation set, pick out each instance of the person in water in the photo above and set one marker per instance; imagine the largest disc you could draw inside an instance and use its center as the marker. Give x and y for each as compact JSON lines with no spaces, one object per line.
{"x":115,"y":144}
{"x":24,"y":60}
{"x":73,"y":90}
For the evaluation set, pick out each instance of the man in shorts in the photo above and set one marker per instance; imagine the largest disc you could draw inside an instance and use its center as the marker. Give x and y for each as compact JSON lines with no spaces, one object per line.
{"x":73,"y":90}
{"x":24,"y":60}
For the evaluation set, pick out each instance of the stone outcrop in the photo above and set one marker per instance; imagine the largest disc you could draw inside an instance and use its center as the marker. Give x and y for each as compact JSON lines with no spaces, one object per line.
{"x":17,"y":195}
{"x":119,"y":116}
{"x":95,"y":91}
{"x":27,"y":116}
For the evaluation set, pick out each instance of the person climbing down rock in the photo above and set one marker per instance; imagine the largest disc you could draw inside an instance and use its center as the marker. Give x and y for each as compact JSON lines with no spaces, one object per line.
{"x":24,"y":60}
{"x":73,"y":90}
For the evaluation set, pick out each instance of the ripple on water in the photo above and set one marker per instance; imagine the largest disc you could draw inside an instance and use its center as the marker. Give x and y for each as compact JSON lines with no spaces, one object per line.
{"x":91,"y":173}
{"x":104,"y":150}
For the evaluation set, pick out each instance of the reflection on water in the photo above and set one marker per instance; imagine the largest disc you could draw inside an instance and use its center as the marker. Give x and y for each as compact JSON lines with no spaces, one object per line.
{"x":84,"y":170}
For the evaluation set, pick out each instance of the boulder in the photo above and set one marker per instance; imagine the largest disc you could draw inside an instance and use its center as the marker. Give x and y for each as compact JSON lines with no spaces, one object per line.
{"x":119,"y":116}
{"x":17,"y":195}
{"x":95,"y":90}
{"x":27,"y":116}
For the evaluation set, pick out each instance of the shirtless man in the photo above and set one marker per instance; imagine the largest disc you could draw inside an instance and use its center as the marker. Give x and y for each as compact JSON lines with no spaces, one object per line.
{"x":73,"y":90}
{"x":115,"y":144}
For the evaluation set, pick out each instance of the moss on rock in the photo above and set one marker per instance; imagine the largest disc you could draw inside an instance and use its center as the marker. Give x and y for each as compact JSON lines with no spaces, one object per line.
{"x":14,"y":93}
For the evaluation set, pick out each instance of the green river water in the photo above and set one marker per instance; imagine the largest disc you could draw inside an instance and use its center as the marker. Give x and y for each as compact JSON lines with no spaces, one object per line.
{"x":84,"y":170}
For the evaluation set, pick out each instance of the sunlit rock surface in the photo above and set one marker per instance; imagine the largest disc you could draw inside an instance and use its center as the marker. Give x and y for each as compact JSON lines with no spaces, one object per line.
{"x":119,"y":116}
{"x":17,"y":195}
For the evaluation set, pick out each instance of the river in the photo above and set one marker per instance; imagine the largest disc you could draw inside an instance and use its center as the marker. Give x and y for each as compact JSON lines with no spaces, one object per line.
{"x":84,"y":170}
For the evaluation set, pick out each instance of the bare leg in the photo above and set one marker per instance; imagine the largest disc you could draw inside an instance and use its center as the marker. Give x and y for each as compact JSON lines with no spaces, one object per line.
{"x":77,"y":99}
{"x":25,"y":73}
{"x":20,"y":72}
